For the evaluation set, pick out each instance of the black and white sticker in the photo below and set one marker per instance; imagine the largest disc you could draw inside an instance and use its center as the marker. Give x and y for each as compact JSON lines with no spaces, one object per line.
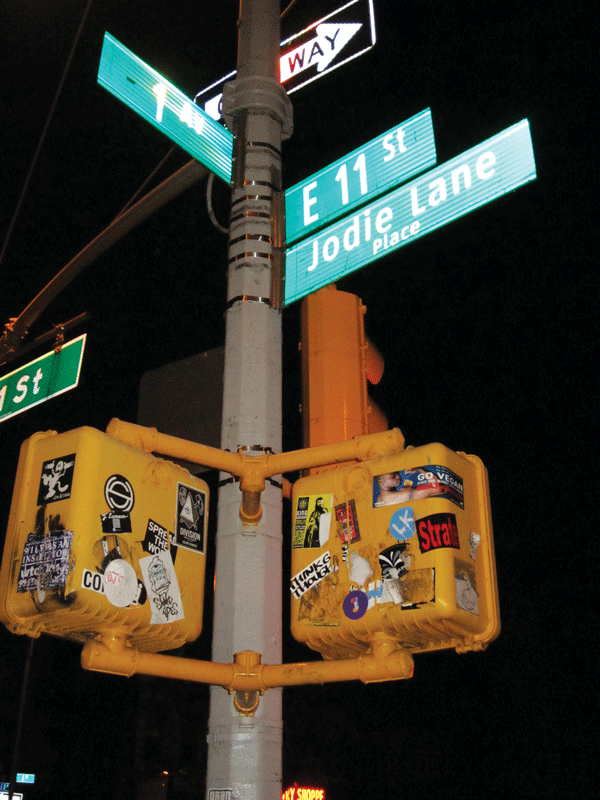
{"x":118,"y":493}
{"x":190,"y":518}
{"x":57,"y":479}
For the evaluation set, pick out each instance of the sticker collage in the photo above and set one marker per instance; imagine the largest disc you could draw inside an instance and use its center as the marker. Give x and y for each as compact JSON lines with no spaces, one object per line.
{"x":374,"y":574}
{"x":129,"y":567}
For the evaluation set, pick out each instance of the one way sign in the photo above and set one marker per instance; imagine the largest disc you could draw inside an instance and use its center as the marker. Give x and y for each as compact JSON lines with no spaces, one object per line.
{"x":319,"y":52}
{"x":346,"y":33}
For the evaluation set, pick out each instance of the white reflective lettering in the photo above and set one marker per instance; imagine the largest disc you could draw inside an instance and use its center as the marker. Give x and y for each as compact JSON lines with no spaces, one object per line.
{"x":160,"y":91}
{"x":21,"y":387}
{"x":308,"y":202}
{"x":484,"y":166}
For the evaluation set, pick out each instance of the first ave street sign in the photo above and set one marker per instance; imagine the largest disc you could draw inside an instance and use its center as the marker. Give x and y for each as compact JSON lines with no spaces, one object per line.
{"x":371,"y":170}
{"x":47,"y":376}
{"x":445,"y":193}
{"x":166,"y":107}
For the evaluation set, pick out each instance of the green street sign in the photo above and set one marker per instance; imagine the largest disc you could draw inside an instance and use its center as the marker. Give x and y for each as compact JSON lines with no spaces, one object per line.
{"x":47,"y":376}
{"x":443,"y":194}
{"x":166,"y":107}
{"x":371,"y":170}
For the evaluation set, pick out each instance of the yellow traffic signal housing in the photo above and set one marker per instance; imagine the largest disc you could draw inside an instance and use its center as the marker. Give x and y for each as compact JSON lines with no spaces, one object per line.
{"x":399,"y":546}
{"x":104,"y":538}
{"x":337,"y":361}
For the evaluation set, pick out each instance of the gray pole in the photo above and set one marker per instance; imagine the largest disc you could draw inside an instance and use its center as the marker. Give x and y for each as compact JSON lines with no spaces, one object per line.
{"x":244,"y":752}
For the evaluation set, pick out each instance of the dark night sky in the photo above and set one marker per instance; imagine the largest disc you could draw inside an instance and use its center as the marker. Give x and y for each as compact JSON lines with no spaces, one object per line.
{"x":489,"y":329}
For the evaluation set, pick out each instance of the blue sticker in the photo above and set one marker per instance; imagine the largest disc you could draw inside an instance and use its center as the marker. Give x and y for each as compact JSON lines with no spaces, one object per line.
{"x":402,"y":524}
{"x":356,"y":604}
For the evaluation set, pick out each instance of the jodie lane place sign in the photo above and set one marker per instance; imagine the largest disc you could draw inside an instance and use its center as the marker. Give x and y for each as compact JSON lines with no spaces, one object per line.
{"x":46,"y":377}
{"x":471,"y":180}
{"x":166,"y":107}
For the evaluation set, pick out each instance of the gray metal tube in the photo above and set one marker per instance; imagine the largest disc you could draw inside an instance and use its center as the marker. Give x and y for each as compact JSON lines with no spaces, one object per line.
{"x":244,"y":753}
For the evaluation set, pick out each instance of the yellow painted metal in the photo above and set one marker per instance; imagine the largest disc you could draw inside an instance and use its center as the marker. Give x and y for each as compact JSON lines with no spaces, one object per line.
{"x":436,"y":588}
{"x":384,"y":662}
{"x":253,"y":470}
{"x":337,"y":361}
{"x":95,"y":543}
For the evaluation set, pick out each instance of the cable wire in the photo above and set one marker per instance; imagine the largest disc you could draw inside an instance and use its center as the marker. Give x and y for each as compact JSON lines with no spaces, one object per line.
{"x":43,"y":136}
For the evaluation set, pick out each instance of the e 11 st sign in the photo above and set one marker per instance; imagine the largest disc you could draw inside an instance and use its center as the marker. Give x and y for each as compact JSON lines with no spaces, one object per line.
{"x":367,"y":172}
{"x":166,"y":107}
{"x":46,"y":377}
{"x":471,"y":180}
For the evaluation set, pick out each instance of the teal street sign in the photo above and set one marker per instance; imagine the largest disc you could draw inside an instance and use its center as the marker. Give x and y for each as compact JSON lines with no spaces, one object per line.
{"x":163,"y":105}
{"x":46,"y":377}
{"x":445,"y":193}
{"x":363,"y":175}
{"x":25,"y":777}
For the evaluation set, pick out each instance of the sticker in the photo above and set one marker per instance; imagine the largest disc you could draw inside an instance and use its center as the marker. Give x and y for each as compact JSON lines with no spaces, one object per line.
{"x":466,"y":588}
{"x":112,"y":522}
{"x":355,"y":605}
{"x":57,"y":479}
{"x":474,"y":540}
{"x":108,"y":548}
{"x":191,"y":518}
{"x":393,"y":565}
{"x":118,"y":493}
{"x":402,"y":524}
{"x":311,"y":575}
{"x":312,"y":521}
{"x":384,"y":592}
{"x":161,"y":585}
{"x":45,"y":562}
{"x":220,"y":794}
{"x":345,"y":516}
{"x":360,"y":569}
{"x":158,"y":539}
{"x":436,"y":531}
{"x":407,"y":485}
{"x":92,"y":581}
{"x":120,"y":583}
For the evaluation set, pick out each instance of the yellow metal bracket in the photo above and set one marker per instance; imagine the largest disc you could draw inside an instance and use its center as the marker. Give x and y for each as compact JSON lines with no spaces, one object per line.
{"x":247,"y":677}
{"x":253,"y":470}
{"x":384,"y":661}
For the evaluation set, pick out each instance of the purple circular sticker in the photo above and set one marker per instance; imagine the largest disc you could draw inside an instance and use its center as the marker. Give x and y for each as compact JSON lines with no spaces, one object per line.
{"x":355,"y":604}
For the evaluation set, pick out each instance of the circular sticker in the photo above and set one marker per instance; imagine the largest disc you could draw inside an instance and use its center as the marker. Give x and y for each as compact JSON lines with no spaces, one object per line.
{"x":355,"y":605}
{"x":118,"y":493}
{"x":402,"y":524}
{"x":120,"y":583}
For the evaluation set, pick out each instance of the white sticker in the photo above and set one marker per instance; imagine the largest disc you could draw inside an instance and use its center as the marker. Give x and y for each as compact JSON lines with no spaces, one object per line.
{"x":360,"y":569}
{"x":162,"y":587}
{"x":120,"y":583}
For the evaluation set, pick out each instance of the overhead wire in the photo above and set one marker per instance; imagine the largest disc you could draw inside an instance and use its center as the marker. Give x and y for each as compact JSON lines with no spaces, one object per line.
{"x":44,"y":132}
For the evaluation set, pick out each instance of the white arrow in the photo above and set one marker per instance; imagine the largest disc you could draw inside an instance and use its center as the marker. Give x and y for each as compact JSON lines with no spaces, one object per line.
{"x":331,"y":38}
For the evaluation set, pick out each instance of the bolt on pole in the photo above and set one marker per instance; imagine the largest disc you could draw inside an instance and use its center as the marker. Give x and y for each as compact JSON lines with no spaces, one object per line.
{"x":244,"y":741}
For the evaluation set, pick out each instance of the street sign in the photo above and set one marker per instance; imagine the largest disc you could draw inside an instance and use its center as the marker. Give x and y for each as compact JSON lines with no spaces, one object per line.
{"x":449,"y":191}
{"x":25,"y":777}
{"x":363,"y":175}
{"x":341,"y":36}
{"x":166,"y":107}
{"x":47,"y":376}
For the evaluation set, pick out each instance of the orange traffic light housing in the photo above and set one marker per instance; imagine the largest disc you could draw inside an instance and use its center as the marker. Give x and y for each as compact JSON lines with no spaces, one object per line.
{"x":104,"y":538}
{"x":337,"y":362}
{"x":399,"y":547}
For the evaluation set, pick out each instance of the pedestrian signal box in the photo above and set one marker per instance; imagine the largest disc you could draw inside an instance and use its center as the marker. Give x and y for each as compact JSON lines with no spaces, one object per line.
{"x":399,"y":545}
{"x":104,"y":538}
